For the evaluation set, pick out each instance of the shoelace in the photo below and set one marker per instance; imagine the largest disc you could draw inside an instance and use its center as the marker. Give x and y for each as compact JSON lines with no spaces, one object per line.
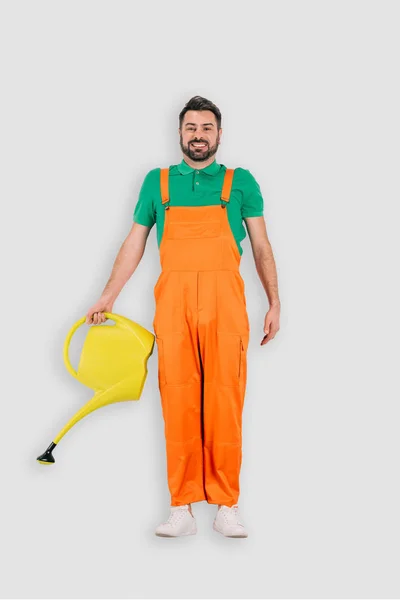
{"x":176,"y":515}
{"x":231,"y":514}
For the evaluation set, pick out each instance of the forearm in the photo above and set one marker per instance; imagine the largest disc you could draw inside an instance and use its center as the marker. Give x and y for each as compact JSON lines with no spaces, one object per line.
{"x":266,"y":269}
{"x":128,"y":258}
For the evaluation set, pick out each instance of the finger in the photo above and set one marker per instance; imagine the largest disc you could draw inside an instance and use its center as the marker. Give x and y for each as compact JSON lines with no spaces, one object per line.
{"x":268,"y":337}
{"x":265,"y":339}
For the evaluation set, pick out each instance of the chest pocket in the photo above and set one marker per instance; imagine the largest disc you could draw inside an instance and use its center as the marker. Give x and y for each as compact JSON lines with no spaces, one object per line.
{"x":193,"y":229}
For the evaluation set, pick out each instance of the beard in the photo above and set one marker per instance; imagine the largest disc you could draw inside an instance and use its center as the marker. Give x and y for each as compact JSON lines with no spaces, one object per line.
{"x":199,"y":154}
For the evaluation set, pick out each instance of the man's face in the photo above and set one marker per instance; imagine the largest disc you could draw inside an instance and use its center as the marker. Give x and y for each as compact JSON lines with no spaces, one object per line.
{"x":199,"y":136}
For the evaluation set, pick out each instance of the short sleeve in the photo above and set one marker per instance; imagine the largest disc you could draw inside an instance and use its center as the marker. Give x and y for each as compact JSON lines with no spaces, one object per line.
{"x":252,"y":199}
{"x":144,"y":212}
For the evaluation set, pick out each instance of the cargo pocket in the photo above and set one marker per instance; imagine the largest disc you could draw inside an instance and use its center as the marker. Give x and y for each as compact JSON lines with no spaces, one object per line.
{"x":243,"y":360}
{"x":229,"y":352}
{"x":193,"y":229}
{"x":177,"y":361}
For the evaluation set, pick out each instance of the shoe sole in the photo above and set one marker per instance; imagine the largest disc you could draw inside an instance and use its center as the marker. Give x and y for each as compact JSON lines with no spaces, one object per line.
{"x":174,"y":536}
{"x":180,"y":535}
{"x":239,"y":535}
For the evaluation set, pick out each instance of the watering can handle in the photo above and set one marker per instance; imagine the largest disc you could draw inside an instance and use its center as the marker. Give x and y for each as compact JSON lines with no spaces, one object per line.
{"x":117,"y":318}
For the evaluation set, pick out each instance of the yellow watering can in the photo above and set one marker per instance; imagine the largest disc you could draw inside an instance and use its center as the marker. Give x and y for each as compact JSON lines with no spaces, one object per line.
{"x":113,"y":363}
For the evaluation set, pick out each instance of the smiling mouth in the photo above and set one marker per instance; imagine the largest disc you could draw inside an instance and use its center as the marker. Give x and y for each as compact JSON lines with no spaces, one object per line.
{"x":198,"y":144}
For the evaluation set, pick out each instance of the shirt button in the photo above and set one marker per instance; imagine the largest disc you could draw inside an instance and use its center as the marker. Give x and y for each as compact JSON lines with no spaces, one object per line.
{"x":197,"y":183}
{"x":197,"y":172}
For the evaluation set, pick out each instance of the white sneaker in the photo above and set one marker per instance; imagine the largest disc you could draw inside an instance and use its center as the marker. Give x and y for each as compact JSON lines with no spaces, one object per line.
{"x":179,"y":522}
{"x":228,"y":522}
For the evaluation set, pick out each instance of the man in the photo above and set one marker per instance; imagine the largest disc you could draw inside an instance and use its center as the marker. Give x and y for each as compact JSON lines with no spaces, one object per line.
{"x":200,"y":322}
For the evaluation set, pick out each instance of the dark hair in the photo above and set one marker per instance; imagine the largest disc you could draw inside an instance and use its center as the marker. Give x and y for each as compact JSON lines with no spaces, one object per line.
{"x":199,"y":103}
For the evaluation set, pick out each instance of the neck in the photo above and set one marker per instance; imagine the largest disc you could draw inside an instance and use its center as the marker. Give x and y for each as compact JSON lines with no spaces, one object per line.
{"x":197,"y":164}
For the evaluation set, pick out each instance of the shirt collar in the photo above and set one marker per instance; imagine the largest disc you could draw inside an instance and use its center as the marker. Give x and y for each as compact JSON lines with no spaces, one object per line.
{"x":211,"y":169}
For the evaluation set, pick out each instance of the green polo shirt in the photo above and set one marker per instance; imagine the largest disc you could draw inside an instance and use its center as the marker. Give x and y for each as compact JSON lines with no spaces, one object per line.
{"x":200,"y":187}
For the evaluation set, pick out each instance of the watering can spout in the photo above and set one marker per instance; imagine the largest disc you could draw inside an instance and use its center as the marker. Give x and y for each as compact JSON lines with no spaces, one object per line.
{"x":47,"y":457}
{"x":113,"y":363}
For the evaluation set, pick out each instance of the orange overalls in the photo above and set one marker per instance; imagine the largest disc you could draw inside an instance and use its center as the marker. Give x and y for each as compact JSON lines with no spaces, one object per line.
{"x":202,"y":334}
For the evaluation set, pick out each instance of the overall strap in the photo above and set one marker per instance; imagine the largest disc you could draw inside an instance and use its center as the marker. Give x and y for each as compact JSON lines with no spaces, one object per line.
{"x":164,"y":176}
{"x":227,"y":186}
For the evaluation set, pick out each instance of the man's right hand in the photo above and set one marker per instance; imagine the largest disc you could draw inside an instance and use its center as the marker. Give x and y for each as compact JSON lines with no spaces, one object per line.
{"x":95,"y":314}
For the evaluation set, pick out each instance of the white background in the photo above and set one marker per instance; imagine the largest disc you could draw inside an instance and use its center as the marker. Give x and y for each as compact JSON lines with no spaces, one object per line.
{"x":309,"y":94}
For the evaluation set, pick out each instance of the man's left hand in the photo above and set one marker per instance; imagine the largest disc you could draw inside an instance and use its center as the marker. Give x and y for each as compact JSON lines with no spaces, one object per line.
{"x":271,"y":324}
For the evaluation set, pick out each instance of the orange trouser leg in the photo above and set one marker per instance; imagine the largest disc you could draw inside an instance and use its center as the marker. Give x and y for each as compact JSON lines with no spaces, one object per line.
{"x":180,"y":383}
{"x":223,"y":346}
{"x":223,"y":406}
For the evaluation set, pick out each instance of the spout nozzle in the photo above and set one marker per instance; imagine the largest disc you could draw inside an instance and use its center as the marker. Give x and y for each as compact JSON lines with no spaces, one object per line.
{"x":47,"y":457}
